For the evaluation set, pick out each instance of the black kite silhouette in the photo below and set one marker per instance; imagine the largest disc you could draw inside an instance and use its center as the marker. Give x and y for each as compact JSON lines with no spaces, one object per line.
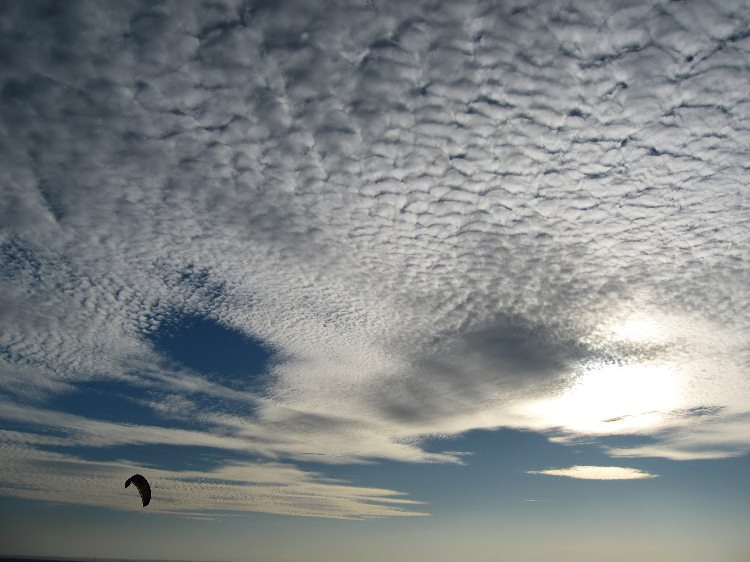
{"x":143,"y":488}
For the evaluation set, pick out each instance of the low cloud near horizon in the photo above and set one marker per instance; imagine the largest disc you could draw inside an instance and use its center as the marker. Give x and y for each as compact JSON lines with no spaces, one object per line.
{"x":435,"y":218}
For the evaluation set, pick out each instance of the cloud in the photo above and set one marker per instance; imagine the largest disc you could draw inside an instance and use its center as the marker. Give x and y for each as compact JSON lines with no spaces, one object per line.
{"x":713,"y":437}
{"x":439,"y":218}
{"x":597,"y":473}
{"x":84,"y":431}
{"x":246,"y":486}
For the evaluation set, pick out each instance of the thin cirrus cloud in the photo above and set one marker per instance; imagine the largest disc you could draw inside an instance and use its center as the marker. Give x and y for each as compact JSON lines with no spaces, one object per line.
{"x":597,"y":473}
{"x":444,"y":219}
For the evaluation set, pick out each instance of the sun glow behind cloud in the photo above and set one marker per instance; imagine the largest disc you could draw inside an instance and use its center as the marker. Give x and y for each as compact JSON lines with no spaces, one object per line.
{"x":651,"y":372}
{"x":640,"y":328}
{"x":611,"y":399}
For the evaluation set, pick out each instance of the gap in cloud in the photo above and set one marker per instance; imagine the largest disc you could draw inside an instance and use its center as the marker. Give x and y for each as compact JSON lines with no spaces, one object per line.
{"x":108,"y":400}
{"x":159,"y":456}
{"x":117,"y":401}
{"x":30,"y":428}
{"x":215,"y":350}
{"x":626,"y":440}
{"x":495,"y":468}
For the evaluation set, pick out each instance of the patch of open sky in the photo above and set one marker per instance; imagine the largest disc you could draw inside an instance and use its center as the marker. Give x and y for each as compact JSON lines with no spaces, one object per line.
{"x":23,"y":427}
{"x":161,"y":456}
{"x":16,"y":256}
{"x":217,"y":351}
{"x":120,"y":402}
{"x":624,"y":441}
{"x":495,"y":465}
{"x":496,"y":473}
{"x":109,"y":400}
{"x":708,"y":479}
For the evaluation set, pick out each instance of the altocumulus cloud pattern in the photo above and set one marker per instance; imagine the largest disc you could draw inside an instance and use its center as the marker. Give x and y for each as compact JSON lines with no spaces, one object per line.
{"x":438,"y":216}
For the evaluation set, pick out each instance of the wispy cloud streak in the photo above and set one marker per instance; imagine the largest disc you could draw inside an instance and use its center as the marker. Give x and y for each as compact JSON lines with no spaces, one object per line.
{"x":247,"y":486}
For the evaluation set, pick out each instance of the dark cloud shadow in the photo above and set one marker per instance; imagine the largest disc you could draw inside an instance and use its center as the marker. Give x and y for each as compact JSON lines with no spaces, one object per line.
{"x":494,"y":363}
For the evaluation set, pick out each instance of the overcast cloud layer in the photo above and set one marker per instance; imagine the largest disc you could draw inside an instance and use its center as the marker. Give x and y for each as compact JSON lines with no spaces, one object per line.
{"x":440,"y":217}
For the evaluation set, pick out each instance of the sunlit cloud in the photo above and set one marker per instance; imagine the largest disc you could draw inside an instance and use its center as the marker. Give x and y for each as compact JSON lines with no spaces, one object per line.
{"x":639,"y":329}
{"x":711,"y":435}
{"x":655,"y":375}
{"x":612,"y":399}
{"x":597,"y":473}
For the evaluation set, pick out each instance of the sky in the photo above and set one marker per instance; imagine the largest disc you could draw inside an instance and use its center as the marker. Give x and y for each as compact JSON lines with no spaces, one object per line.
{"x":375,"y":280}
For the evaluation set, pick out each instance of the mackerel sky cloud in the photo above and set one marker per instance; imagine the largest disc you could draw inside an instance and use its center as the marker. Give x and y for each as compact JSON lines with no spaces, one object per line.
{"x":337,"y":232}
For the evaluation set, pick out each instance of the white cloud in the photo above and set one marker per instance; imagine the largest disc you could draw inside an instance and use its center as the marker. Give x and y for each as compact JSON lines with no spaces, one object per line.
{"x":440,"y":219}
{"x":246,"y":486}
{"x":711,"y":435}
{"x":597,"y":473}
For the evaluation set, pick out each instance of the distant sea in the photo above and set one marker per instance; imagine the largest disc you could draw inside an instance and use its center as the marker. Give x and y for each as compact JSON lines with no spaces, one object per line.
{"x":48,"y":559}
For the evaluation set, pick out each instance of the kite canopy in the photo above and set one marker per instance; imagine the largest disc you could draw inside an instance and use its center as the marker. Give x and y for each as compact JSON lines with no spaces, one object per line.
{"x":143,"y":488}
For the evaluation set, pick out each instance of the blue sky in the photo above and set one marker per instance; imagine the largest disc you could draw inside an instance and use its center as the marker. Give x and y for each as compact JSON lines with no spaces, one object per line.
{"x":375,"y":280}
